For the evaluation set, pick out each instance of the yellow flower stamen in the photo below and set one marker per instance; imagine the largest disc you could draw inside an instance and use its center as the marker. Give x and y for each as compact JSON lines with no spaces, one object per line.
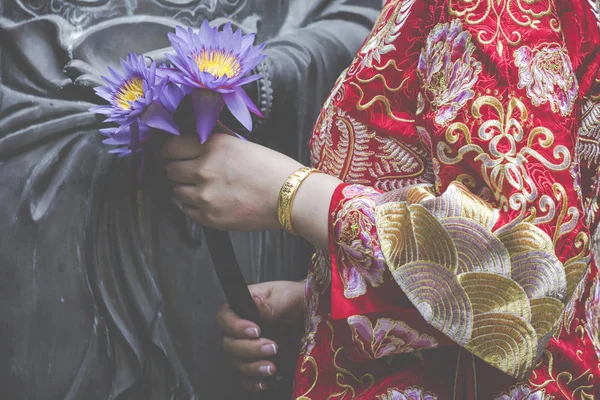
{"x":131,"y":90}
{"x":218,"y":63}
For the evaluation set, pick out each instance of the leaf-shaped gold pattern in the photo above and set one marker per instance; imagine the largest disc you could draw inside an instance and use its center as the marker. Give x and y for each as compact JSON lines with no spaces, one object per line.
{"x":475,"y":208}
{"x":458,"y":201}
{"x":446,"y":205}
{"x":405,"y":234}
{"x":540,"y":274}
{"x":500,"y":294}
{"x":493,"y":293}
{"x":395,"y":235}
{"x":505,"y":341}
{"x":545,"y":312}
{"x":436,"y":293}
{"x":417,"y":194}
{"x":574,"y":271}
{"x":525,"y":237}
{"x":425,"y":226}
{"x":476,"y":247}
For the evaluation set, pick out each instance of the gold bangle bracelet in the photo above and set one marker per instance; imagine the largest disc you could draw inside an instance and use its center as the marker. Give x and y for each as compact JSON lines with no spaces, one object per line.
{"x":287,"y":194}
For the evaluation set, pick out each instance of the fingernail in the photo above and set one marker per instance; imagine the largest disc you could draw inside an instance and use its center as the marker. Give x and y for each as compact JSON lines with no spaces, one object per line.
{"x":261,"y":386}
{"x":251,"y":332}
{"x":265,"y":370}
{"x":269,"y":349}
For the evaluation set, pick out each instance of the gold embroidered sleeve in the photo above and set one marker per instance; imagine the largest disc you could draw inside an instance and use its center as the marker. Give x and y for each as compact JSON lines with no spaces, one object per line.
{"x":499,"y":293}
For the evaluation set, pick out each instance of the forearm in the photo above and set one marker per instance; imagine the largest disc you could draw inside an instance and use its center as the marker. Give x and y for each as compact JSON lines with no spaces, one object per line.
{"x":310,"y":210}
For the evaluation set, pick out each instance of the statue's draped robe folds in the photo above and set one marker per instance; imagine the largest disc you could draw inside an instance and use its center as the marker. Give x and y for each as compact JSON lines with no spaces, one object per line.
{"x":103,"y":295}
{"x":460,"y":264}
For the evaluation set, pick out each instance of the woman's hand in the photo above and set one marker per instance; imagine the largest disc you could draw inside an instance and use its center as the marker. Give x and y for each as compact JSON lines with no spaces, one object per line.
{"x":232,"y":184}
{"x":227,"y":183}
{"x":279,"y":302}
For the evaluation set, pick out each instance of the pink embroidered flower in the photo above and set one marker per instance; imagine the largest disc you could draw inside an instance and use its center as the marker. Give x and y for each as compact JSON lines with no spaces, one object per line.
{"x":411,"y":393}
{"x":548,"y":77}
{"x":448,"y":70}
{"x":524,"y":392}
{"x":360,"y":259}
{"x":387,"y":338}
{"x":592,"y":315}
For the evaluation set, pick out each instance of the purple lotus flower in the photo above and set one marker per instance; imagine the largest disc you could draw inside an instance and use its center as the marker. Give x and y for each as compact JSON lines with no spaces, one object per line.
{"x":137,"y":101}
{"x":211,"y":66}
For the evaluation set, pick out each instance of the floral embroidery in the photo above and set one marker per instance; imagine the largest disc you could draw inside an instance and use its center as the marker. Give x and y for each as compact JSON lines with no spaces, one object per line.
{"x":548,"y":77}
{"x":360,"y":259}
{"x":311,"y":316}
{"x":387,"y":338}
{"x":489,"y":17}
{"x":511,"y":148}
{"x":497,"y":293}
{"x":524,"y":392}
{"x":448,"y":70}
{"x":592,"y":315}
{"x":411,"y":393}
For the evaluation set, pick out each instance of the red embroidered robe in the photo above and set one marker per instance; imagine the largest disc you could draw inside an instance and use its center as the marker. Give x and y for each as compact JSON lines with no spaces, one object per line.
{"x":466,"y":133}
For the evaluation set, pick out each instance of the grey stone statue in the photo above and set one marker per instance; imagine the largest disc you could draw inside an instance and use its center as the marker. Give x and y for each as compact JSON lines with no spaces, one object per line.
{"x":105,"y":294}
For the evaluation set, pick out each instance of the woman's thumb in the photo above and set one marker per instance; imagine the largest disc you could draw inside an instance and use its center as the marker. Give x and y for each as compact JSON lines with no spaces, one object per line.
{"x":265,"y":310}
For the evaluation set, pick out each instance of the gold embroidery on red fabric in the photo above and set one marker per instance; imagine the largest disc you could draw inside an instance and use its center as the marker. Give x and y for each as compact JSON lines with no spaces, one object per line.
{"x":360,"y":106}
{"x":348,"y":160}
{"x":321,"y":138}
{"x":569,"y":386}
{"x":386,"y":31}
{"x":387,"y":64}
{"x":475,"y":12}
{"x":497,"y":293}
{"x":398,"y":164}
{"x":588,"y":151}
{"x":384,"y":81}
{"x":395,"y":165}
{"x":564,"y":227}
{"x":575,"y":268}
{"x":546,"y":74}
{"x":503,"y":164}
{"x":366,"y":381}
{"x":303,"y":369}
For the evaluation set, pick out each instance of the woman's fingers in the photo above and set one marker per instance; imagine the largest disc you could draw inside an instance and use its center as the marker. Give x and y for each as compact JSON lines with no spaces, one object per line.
{"x":253,"y":385}
{"x":183,"y":172}
{"x":234,"y":326}
{"x":182,"y":148}
{"x":188,"y":194}
{"x":255,"y":369}
{"x":249,"y":348}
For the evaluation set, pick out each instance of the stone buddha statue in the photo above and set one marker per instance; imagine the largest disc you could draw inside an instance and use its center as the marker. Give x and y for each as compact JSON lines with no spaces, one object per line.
{"x":107,"y":294}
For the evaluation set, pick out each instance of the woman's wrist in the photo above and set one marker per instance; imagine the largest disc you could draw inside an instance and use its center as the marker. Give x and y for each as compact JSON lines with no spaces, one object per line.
{"x":310,"y":209}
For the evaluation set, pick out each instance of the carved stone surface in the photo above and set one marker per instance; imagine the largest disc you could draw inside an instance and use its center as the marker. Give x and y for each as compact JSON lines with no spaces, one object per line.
{"x":104,"y":295}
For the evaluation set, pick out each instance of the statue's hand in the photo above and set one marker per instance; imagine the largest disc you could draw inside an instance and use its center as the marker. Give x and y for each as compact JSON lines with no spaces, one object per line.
{"x":83,"y":74}
{"x":280,"y":303}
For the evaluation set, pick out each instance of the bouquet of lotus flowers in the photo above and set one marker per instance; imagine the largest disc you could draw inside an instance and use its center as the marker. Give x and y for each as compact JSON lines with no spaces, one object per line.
{"x":209,"y":67}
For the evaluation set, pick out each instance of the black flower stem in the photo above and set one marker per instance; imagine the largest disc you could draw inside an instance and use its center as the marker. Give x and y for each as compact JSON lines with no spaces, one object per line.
{"x":230,"y":276}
